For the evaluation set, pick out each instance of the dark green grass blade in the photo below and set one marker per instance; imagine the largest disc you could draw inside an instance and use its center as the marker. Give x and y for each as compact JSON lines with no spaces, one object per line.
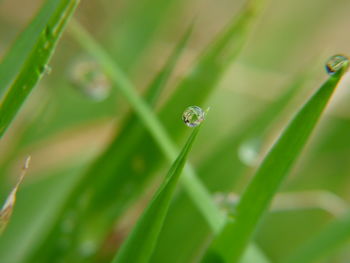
{"x":35,"y":64}
{"x":140,"y":244}
{"x":230,"y":244}
{"x":213,"y":170}
{"x":324,"y":243}
{"x":16,"y":56}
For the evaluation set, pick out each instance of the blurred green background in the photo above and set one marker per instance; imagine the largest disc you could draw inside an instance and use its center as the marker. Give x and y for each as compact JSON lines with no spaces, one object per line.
{"x":64,"y":129}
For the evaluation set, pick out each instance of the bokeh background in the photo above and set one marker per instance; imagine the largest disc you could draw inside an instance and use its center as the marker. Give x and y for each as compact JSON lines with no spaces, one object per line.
{"x":63,"y":128}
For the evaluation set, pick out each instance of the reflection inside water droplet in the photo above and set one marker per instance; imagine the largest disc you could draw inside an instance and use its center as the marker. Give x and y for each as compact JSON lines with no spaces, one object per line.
{"x":335,"y":63}
{"x":90,"y":79}
{"x":193,"y":116}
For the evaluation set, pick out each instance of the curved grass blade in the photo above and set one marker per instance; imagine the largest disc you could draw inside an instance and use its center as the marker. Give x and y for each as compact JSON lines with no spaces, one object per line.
{"x":232,"y":241}
{"x":35,"y":64}
{"x":16,"y":56}
{"x":199,"y":193}
{"x":6,"y":210}
{"x":211,"y":65}
{"x":213,"y":171}
{"x":107,"y":208}
{"x":324,"y":243}
{"x":139,"y":24}
{"x":140,"y":244}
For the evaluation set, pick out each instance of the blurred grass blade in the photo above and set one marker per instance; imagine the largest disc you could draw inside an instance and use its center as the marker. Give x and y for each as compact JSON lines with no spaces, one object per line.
{"x":232,"y":241}
{"x":211,"y":65}
{"x":110,"y":204}
{"x":6,"y":210}
{"x":14,"y":59}
{"x":151,"y":122}
{"x":140,"y":21}
{"x":36,"y":63}
{"x":139,"y":246}
{"x":324,"y":243}
{"x":163,"y":76}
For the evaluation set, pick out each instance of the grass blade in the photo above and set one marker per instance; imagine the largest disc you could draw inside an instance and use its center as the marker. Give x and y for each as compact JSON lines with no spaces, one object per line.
{"x":6,"y":210}
{"x":145,"y":234}
{"x":16,"y":56}
{"x":213,"y":171}
{"x":35,"y":64}
{"x":322,"y":244}
{"x":105,"y":206}
{"x":211,"y":65}
{"x":150,"y":121}
{"x":232,"y":241}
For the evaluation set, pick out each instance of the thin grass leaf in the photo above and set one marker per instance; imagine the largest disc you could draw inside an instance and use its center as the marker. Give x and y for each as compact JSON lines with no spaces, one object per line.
{"x":196,"y":87}
{"x":36,"y":63}
{"x":139,"y":246}
{"x":231,"y":243}
{"x":102,"y":204}
{"x":198,"y":192}
{"x":213,"y":170}
{"x":6,"y":210}
{"x":140,"y":22}
{"x":14,"y":59}
{"x":323,"y":243}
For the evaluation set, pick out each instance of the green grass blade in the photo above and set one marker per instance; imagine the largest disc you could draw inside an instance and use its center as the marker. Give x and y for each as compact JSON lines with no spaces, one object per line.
{"x":163,"y":76}
{"x":6,"y":210}
{"x":213,"y":170}
{"x":139,"y":246}
{"x":150,"y":121}
{"x":35,"y":64}
{"x":232,"y":241}
{"x":108,"y":204}
{"x":16,"y":56}
{"x":324,"y":243}
{"x":211,"y":65}
{"x":140,"y":22}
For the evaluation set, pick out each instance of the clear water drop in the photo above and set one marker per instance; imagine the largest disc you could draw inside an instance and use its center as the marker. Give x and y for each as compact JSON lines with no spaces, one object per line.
{"x":193,"y":116}
{"x":335,"y":63}
{"x":88,"y":77}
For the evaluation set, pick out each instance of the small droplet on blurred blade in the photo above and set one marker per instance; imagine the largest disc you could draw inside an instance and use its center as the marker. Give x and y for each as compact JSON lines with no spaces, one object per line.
{"x":47,"y":69}
{"x":88,"y":77}
{"x":6,"y":210}
{"x":335,"y":63}
{"x":193,"y":116}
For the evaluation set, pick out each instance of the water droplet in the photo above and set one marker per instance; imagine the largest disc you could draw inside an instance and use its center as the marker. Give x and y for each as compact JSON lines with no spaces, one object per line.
{"x":89,"y":78}
{"x":335,"y":63}
{"x":227,"y":202}
{"x":47,"y":69}
{"x":248,"y":152}
{"x":193,"y":116}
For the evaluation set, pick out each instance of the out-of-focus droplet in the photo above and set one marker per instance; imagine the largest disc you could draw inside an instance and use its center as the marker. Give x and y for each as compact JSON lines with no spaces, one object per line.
{"x":248,"y":152}
{"x":90,"y":79}
{"x":227,"y":202}
{"x":335,"y":63}
{"x":193,"y":116}
{"x":47,"y":69}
